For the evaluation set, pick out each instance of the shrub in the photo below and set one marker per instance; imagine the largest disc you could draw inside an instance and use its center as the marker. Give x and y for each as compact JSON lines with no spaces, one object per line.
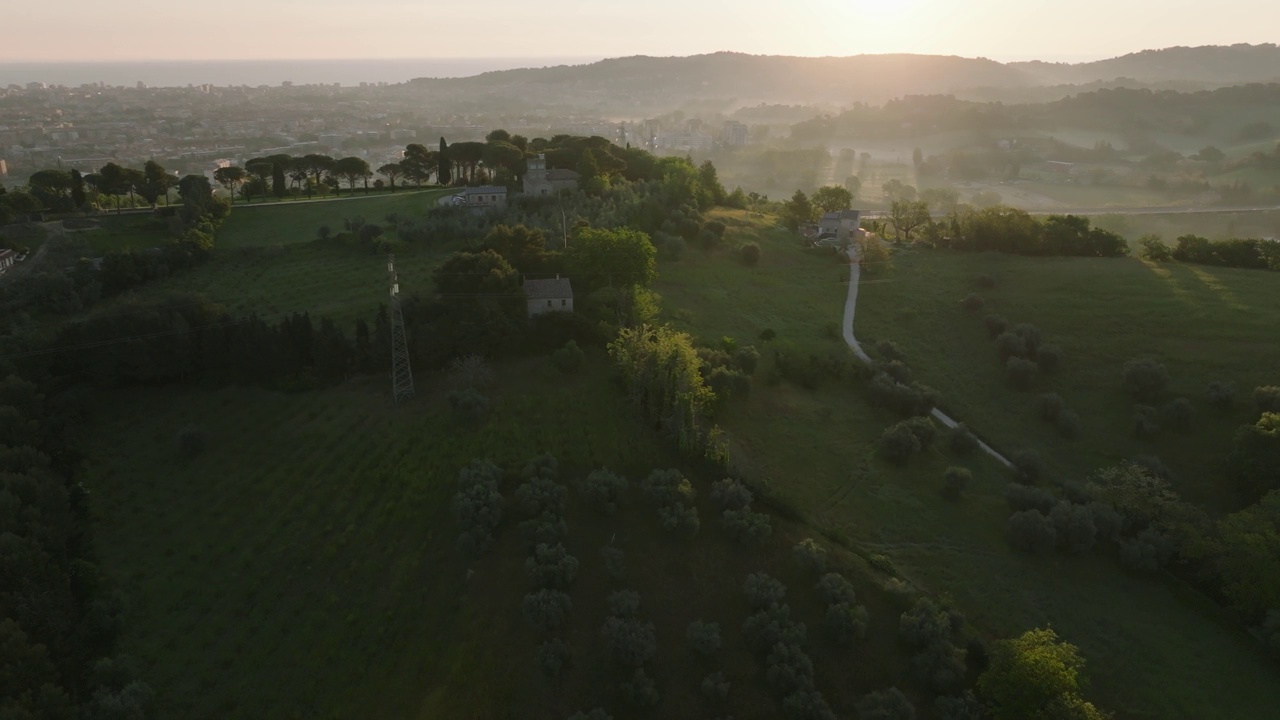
{"x":746,"y":526}
{"x":680,"y":518}
{"x":1145,"y":425}
{"x":996,"y":325}
{"x":728,"y":383}
{"x":961,"y":441}
{"x":898,"y":443}
{"x":810,"y":556}
{"x":954,"y":481}
{"x":703,"y":637}
{"x":788,"y":668}
{"x":470,"y":371}
{"x":1028,"y":468}
{"x":603,"y":490}
{"x":888,"y":704}
{"x":1154,"y":249}
{"x":1068,"y":425}
{"x":1024,"y":497}
{"x":191,"y":441}
{"x":763,"y":590}
{"x":924,"y":430}
{"x":1220,"y":395}
{"x":468,"y":405}
{"x":767,"y":335}
{"x":750,"y":254}
{"x":889,"y":350}
{"x":639,"y":690}
{"x":845,"y":622}
{"x":1074,"y":527}
{"x":1267,"y":398}
{"x":770,"y":626}
{"x":1010,"y":345}
{"x":323,"y":232}
{"x":551,"y":566}
{"x":715,"y":687}
{"x":972,"y":303}
{"x":986,"y":282}
{"x":631,"y":641}
{"x":1144,"y":379}
{"x":1031,"y":531}
{"x":834,"y":588}
{"x":614,"y":562}
{"x":897,"y":370}
{"x":1030,"y":335}
{"x":1148,"y":552}
{"x":747,"y":359}
{"x":1050,"y":405}
{"x":730,"y":494}
{"x":1177,"y":414}
{"x":1021,"y":372}
{"x":553,"y":656}
{"x":569,"y":358}
{"x":624,"y":603}
{"x":1049,"y":358}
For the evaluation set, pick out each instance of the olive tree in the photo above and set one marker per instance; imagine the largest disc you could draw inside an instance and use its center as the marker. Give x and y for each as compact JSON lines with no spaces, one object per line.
{"x":810,"y":556}
{"x":603,"y":490}
{"x":703,"y":637}
{"x":546,"y":609}
{"x":633,"y":642}
{"x":551,"y":566}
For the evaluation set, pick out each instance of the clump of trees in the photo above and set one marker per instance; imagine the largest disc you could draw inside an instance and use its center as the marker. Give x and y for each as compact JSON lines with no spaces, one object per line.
{"x":740,"y":522}
{"x":477,"y":506}
{"x":903,"y":440}
{"x":932,"y":631}
{"x":673,"y":495}
{"x":1010,"y":230}
{"x":1036,"y":675}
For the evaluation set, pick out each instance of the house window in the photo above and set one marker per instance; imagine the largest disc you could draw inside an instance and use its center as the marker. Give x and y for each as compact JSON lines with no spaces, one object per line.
{"x":562,"y":303}
{"x":548,"y":303}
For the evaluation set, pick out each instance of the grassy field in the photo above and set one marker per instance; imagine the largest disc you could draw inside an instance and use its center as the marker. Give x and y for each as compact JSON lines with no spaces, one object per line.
{"x":1213,"y":225}
{"x":304,"y":565}
{"x":1155,"y":650}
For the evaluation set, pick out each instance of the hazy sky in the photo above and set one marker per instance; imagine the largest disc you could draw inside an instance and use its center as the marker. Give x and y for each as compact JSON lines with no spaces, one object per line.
{"x":261,"y":29}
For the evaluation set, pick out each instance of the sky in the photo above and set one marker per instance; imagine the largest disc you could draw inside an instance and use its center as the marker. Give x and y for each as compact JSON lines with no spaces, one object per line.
{"x":1003,"y":30}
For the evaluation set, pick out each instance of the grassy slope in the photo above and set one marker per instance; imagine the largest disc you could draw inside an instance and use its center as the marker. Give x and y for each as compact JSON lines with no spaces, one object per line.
{"x":1153,"y":652}
{"x":303,"y":566}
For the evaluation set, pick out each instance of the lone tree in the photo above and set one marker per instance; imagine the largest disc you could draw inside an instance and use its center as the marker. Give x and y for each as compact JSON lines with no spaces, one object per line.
{"x":833,"y":198}
{"x":1031,"y":674}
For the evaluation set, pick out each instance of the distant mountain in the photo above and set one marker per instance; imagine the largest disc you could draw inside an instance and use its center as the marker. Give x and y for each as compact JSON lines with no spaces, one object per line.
{"x":724,"y":81}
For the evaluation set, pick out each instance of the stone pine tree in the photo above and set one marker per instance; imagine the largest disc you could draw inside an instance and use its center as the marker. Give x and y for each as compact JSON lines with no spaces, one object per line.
{"x":444,"y":166}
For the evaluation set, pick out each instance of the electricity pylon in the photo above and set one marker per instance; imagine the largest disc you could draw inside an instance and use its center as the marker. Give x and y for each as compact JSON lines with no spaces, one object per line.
{"x":401,"y":373}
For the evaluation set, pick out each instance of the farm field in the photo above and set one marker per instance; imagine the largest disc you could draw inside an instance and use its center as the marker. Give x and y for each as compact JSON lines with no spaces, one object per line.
{"x":1155,"y":650}
{"x":312,"y":571}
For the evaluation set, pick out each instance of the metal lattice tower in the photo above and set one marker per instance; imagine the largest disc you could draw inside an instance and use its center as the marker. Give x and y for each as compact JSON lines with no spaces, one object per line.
{"x":401,"y":373}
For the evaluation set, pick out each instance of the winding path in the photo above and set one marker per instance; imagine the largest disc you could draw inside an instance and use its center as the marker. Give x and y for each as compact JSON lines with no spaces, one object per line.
{"x":850,"y":305}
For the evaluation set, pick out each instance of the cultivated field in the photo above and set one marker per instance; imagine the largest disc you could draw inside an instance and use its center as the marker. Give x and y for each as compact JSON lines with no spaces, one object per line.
{"x":1156,"y":650}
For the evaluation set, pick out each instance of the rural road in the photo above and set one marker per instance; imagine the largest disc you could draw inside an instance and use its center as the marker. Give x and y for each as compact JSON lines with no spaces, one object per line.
{"x":850,"y":306}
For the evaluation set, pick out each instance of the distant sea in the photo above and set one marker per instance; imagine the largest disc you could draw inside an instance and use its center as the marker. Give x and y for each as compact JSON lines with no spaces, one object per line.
{"x":262,"y":72}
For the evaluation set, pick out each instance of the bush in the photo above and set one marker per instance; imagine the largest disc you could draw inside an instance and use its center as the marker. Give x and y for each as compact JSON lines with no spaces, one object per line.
{"x":191,"y":441}
{"x":551,"y":566}
{"x":961,"y":441}
{"x":1144,"y":379}
{"x":614,"y":562}
{"x":888,"y":704}
{"x":468,"y":405}
{"x":715,"y":687}
{"x":954,"y":481}
{"x":763,"y":590}
{"x":632,"y":641}
{"x":1028,"y":468}
{"x":1177,"y":414}
{"x":810,"y":556}
{"x":1010,"y":345}
{"x":750,"y":254}
{"x":730,"y":494}
{"x":1148,"y":552}
{"x":1068,"y":425}
{"x":747,"y":359}
{"x":703,"y":637}
{"x":1267,"y":398}
{"x":897,"y":370}
{"x":1145,"y":425}
{"x":569,"y":358}
{"x":729,"y":384}
{"x":845,"y":622}
{"x":972,"y":303}
{"x":1024,"y":497}
{"x":553,"y":656}
{"x":986,"y":282}
{"x":639,"y":691}
{"x":1049,"y":358}
{"x":1021,"y":372}
{"x":624,"y":603}
{"x":788,"y":668}
{"x":898,"y":443}
{"x":1030,"y":335}
{"x":1031,"y":531}
{"x":603,"y":490}
{"x":470,"y":371}
{"x":1154,"y":249}
{"x":745,"y":526}
{"x":1051,"y":406}
{"x":996,"y":325}
{"x":1220,"y":395}
{"x":834,"y":588}
{"x":889,"y":351}
{"x":1074,"y":527}
{"x":768,"y":335}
